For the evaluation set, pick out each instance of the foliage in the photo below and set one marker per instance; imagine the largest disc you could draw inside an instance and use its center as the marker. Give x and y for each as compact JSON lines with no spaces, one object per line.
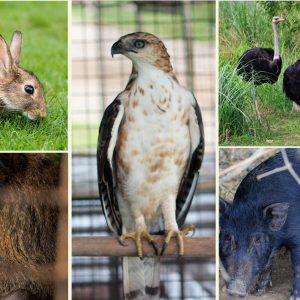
{"x":290,"y":10}
{"x":235,"y":114}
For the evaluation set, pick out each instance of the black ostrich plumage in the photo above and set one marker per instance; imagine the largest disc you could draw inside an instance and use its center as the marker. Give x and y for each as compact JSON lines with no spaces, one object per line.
{"x":257,"y":64}
{"x":291,"y":82}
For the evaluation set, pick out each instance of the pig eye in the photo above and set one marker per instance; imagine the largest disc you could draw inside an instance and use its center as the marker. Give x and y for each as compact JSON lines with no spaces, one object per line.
{"x":228,"y":244}
{"x":227,"y":237}
{"x":257,"y":240}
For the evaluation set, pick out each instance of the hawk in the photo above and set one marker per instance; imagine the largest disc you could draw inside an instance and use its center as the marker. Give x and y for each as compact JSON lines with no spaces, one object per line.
{"x":150,"y":150}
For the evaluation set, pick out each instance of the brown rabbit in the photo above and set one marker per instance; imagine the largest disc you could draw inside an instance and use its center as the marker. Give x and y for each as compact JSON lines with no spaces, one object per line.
{"x":20,"y":90}
{"x":29,"y":210}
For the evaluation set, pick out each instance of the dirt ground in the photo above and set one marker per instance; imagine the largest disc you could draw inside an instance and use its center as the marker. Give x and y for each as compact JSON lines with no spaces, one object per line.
{"x":282,"y":273}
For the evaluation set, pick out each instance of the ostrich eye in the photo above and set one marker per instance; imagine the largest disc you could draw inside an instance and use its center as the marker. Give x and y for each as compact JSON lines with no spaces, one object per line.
{"x":29,"y":89}
{"x":139,"y":43}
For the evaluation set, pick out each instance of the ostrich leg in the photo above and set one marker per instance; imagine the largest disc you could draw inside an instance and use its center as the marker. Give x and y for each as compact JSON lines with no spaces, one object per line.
{"x":296,"y":107}
{"x":256,"y":101}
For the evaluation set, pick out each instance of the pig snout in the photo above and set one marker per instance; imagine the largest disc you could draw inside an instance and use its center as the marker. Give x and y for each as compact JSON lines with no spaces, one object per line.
{"x":237,"y":288}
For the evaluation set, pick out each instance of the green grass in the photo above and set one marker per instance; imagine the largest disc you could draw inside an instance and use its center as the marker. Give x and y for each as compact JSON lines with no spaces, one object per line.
{"x":157,"y":19}
{"x":236,"y":108}
{"x":244,"y":25}
{"x":45,"y":52}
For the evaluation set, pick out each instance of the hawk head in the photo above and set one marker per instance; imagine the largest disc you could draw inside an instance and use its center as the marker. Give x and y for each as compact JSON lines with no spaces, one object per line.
{"x":142,"y":49}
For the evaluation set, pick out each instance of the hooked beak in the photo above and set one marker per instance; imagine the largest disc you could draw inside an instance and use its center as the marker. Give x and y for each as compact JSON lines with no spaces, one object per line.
{"x":117,"y":48}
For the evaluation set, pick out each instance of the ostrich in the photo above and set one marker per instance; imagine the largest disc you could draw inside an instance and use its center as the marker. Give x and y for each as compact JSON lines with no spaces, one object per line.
{"x":291,"y":84}
{"x":261,"y":65}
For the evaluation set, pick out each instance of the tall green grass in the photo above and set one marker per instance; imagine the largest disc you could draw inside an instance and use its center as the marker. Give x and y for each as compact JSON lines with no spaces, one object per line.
{"x":244,"y":25}
{"x":236,"y":115}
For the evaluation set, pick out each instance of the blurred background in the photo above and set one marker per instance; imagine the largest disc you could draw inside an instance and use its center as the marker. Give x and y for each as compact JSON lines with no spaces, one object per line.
{"x":188,"y":30}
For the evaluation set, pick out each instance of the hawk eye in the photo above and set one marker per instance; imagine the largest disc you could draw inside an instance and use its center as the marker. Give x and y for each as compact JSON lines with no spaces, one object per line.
{"x":29,"y":89}
{"x":139,"y":44}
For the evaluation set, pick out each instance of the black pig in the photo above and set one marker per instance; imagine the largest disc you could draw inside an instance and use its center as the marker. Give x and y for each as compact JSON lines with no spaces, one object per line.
{"x":264,"y":215}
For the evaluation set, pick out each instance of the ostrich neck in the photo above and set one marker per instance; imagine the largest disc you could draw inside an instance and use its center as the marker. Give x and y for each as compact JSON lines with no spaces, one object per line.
{"x":276,"y":48}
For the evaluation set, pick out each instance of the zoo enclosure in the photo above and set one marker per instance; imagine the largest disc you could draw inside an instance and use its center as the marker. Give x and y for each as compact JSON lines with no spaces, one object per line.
{"x":188,"y":30}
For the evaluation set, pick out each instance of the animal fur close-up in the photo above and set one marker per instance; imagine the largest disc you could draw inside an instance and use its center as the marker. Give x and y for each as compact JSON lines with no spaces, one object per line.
{"x":30,"y":210}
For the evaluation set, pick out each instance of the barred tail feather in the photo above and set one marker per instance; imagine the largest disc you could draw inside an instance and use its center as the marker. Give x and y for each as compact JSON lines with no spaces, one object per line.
{"x":141,"y":278}
{"x":133,"y":278}
{"x":152,"y":277}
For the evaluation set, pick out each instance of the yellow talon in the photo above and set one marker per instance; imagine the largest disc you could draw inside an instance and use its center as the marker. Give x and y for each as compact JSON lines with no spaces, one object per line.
{"x":137,"y":236}
{"x":187,"y":229}
{"x":179,"y":235}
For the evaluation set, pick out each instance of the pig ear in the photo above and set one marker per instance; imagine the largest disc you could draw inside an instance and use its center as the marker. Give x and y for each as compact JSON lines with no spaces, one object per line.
{"x":224,"y":207}
{"x":5,"y":58}
{"x":276,"y":214}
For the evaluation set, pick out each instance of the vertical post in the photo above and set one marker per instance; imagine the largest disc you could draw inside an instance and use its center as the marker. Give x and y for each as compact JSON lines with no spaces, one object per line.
{"x":113,"y":268}
{"x":182,"y":281}
{"x":188,"y":40}
{"x":101,"y":6}
{"x":61,"y":267}
{"x":138,"y":20}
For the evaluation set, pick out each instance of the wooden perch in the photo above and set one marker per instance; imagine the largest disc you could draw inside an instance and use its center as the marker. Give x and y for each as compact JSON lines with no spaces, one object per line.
{"x":109,"y":246}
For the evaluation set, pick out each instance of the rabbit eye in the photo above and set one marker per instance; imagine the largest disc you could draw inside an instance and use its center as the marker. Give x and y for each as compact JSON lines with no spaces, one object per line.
{"x":29,"y":89}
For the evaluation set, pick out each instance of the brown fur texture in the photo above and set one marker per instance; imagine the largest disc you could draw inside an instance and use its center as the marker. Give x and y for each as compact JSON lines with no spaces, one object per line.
{"x":13,"y":80}
{"x":28,"y":224}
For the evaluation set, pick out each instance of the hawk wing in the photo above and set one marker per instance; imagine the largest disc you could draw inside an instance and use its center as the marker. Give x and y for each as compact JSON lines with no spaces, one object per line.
{"x":189,"y":181}
{"x":108,"y":134}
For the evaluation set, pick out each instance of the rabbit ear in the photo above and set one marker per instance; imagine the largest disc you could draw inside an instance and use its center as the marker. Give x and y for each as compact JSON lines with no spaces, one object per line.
{"x":5,"y":58}
{"x":15,"y":46}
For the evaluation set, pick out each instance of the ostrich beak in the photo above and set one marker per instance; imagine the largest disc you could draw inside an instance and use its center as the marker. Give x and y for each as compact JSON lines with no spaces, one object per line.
{"x":281,"y":19}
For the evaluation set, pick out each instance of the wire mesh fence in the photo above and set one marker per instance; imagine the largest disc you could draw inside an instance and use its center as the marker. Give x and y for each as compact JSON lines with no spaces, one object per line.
{"x":188,"y":30}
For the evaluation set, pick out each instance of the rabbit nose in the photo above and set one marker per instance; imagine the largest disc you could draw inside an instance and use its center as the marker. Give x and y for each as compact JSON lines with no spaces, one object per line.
{"x":41,"y":114}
